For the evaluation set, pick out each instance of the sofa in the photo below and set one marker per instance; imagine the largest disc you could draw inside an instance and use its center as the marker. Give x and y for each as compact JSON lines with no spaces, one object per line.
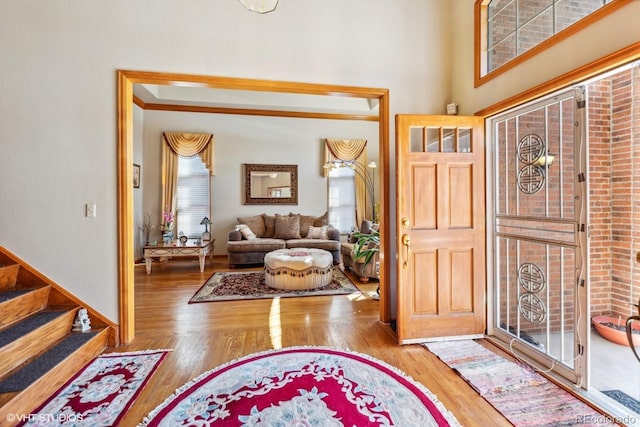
{"x":364,"y":272}
{"x":255,"y":236}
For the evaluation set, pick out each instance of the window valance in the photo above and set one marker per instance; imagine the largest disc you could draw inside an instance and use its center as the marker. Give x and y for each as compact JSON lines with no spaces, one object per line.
{"x":191,"y":144}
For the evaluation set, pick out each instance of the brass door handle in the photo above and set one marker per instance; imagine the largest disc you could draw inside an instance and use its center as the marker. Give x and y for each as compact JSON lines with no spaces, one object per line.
{"x":406,"y":241}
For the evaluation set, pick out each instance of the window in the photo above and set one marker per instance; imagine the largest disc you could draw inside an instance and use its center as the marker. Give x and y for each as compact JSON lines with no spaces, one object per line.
{"x":342,"y":199}
{"x":192,"y":196}
{"x":510,"y":29}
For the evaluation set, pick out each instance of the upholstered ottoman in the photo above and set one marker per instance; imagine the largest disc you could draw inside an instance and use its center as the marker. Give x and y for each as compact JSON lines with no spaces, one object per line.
{"x":298,"y":268}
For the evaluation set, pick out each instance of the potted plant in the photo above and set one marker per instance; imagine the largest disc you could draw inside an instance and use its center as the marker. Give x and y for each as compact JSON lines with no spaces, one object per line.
{"x":365,"y":247}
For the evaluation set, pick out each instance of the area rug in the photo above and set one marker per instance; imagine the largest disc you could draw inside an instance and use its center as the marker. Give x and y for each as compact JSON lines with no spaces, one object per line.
{"x":101,"y":392}
{"x":303,"y":386}
{"x":523,"y":396}
{"x":225,"y":286}
{"x":624,"y":399}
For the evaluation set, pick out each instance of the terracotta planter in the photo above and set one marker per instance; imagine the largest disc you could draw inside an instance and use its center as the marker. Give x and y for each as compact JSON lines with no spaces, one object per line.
{"x":614,"y":335}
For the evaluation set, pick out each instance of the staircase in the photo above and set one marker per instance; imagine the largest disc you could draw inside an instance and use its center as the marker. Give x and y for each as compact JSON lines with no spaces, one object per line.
{"x":39,"y":352}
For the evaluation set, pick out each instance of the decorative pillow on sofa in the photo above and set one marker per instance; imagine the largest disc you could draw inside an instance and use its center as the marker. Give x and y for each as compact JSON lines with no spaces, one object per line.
{"x":287,"y":227}
{"x":321,"y":220}
{"x":318,"y":232}
{"x":307,"y":221}
{"x":255,"y":223}
{"x":269,"y":225}
{"x":246,"y":231}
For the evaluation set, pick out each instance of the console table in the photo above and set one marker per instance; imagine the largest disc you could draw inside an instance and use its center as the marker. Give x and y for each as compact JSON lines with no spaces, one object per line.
{"x":192,"y":248}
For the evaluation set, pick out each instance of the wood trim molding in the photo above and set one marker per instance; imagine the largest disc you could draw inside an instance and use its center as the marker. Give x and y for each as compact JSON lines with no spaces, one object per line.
{"x":602,"y":65}
{"x":254,"y":112}
{"x":480,"y":44}
{"x":126,"y":80}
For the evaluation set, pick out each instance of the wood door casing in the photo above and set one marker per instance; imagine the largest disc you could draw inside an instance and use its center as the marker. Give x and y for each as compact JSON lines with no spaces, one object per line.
{"x":441,"y":205}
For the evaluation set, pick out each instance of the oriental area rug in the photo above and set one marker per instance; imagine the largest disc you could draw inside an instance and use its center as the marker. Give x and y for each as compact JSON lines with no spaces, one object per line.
{"x":522,"y":395}
{"x":303,"y":386}
{"x":233,"y":285}
{"x":100,"y":393}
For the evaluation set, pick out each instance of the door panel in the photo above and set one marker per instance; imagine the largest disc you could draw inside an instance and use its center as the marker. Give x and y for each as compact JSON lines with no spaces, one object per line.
{"x":440,"y":190}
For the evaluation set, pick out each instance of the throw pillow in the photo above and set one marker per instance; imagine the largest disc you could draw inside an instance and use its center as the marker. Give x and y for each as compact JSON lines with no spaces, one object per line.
{"x":255,"y":223}
{"x":246,"y":231}
{"x":287,"y":227}
{"x":321,"y":220}
{"x":305,"y":222}
{"x":318,"y":232}
{"x":269,"y":225}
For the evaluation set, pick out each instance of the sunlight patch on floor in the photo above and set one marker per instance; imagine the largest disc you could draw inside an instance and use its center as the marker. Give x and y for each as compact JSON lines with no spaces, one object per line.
{"x":275,"y":324}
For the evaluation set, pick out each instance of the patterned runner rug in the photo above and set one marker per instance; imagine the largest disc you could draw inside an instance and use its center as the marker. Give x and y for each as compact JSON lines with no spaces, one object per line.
{"x":522,"y":395}
{"x":101,"y":392}
{"x":233,"y":285}
{"x":303,"y":386}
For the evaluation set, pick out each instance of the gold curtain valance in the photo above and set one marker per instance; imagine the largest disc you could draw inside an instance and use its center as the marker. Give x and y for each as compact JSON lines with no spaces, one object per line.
{"x":192,"y":144}
{"x":343,"y":149}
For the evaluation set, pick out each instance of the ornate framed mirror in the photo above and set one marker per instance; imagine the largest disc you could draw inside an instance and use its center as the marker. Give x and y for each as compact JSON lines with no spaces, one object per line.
{"x":270,"y":184}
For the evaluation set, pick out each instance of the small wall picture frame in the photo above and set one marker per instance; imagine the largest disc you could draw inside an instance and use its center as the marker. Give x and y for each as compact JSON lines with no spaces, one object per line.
{"x":136,"y":176}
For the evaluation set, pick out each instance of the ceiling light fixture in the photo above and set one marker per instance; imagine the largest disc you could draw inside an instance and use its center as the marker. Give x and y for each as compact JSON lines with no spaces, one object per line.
{"x":260,"y":6}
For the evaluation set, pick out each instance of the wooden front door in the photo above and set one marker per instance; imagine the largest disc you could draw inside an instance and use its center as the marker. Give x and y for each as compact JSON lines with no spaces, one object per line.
{"x":441,"y":227}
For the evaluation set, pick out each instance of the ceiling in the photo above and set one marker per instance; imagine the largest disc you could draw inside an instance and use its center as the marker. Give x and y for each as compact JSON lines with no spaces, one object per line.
{"x":254,"y":100}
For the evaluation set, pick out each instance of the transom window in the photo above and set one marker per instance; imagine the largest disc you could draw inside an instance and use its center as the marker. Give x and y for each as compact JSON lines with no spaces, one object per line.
{"x":509,"y":29}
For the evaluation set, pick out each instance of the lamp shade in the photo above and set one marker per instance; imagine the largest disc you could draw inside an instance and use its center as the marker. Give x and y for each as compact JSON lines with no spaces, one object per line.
{"x":260,"y":6}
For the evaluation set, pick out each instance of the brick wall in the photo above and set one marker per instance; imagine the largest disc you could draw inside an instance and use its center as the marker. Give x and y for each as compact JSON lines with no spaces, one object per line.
{"x":614,"y":180}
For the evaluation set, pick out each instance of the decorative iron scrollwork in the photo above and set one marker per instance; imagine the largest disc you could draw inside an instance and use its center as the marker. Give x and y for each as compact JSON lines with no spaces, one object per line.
{"x":531,"y":177}
{"x":532,"y":280}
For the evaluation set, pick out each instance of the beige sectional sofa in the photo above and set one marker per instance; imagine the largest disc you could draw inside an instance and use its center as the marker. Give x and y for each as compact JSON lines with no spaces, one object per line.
{"x":257,"y":235}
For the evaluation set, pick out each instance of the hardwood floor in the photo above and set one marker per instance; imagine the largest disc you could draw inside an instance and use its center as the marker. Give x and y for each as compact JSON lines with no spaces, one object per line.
{"x":206,"y":335}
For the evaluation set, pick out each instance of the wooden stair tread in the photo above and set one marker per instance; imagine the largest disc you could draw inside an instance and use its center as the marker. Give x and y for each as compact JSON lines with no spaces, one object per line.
{"x":37,"y":368}
{"x":27,"y":325}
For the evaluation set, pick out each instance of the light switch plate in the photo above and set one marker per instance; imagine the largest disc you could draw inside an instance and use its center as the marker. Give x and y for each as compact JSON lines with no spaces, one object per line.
{"x":90,"y":210}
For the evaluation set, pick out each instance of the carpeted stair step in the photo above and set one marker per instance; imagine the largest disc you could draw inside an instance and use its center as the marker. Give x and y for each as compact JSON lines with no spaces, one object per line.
{"x":31,"y":336}
{"x":81,"y":348}
{"x":38,"y":367}
{"x":8,"y":276}
{"x":18,"y":303}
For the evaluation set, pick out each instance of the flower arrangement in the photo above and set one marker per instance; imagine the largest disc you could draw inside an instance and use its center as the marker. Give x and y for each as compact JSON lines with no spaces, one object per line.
{"x":167,"y":225}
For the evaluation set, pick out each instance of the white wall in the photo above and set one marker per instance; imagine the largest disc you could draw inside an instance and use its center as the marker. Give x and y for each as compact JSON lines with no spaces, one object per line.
{"x":251,"y":139}
{"x":58,"y":124}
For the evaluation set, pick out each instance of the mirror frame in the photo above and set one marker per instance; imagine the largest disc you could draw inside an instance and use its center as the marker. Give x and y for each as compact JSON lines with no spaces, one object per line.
{"x":293,"y":173}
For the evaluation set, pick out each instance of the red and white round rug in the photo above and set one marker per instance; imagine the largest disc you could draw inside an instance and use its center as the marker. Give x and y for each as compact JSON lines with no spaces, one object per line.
{"x":303,"y":386}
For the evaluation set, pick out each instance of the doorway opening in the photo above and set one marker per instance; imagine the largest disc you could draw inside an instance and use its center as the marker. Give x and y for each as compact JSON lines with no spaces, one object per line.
{"x":126,"y":99}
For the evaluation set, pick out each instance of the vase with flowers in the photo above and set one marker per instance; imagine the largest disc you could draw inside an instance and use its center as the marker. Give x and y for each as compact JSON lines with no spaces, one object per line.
{"x":167,"y":226}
